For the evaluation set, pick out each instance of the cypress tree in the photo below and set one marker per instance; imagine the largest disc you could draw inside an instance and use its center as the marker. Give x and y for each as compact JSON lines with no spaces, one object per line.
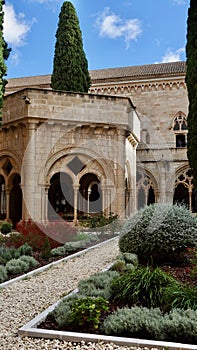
{"x":4,"y":54}
{"x":191,"y":82}
{"x":70,"y":66}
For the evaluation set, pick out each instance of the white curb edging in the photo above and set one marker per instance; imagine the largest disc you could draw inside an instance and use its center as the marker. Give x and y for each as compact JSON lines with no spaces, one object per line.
{"x":46,"y":267}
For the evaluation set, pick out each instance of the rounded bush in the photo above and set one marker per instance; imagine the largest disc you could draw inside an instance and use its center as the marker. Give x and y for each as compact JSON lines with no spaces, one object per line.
{"x":15,"y":266}
{"x":3,"y":274}
{"x":25,"y":249}
{"x":159,"y":232}
{"x":6,"y":227}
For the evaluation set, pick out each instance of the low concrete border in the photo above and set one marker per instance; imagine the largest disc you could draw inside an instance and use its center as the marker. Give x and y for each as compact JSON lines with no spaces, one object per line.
{"x":31,"y":330}
{"x":45,"y":267}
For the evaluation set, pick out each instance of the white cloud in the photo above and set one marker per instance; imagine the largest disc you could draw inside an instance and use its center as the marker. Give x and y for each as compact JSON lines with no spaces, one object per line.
{"x":173,"y":56}
{"x":179,"y":2}
{"x":15,"y":26}
{"x":113,"y":26}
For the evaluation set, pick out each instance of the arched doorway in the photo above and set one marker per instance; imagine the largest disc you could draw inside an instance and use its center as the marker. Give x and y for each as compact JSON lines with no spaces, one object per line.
{"x":145,"y":190}
{"x":2,"y":198}
{"x":60,"y":195}
{"x":90,"y":195}
{"x":183,"y":193}
{"x":15,"y":212}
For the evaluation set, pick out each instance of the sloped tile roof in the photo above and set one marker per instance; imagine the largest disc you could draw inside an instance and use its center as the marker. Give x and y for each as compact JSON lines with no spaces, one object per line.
{"x":108,"y":74}
{"x":134,"y":72}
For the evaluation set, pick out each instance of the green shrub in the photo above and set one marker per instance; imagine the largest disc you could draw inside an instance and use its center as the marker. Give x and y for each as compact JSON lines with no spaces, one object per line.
{"x":87,"y":311}
{"x":16,"y":266}
{"x":59,"y":251}
{"x":6,"y":227}
{"x":119,"y":266}
{"x":180,"y":326}
{"x":46,"y":249}
{"x":142,"y":286}
{"x":159,"y":232}
{"x":180,"y":296}
{"x":3,"y":274}
{"x":25,"y":249}
{"x":136,"y":322}
{"x":177,"y":326}
{"x":62,"y":311}
{"x":130,"y":258}
{"x":97,"y":285}
{"x":29,"y":260}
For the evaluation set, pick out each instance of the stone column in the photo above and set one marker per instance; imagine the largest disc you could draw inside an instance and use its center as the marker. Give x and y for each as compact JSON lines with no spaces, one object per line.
{"x":75,"y":188}
{"x":28,"y":175}
{"x":120,"y":174}
{"x":7,"y":191}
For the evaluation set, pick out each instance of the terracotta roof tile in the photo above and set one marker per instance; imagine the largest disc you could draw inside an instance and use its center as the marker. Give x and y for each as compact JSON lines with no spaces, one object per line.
{"x":108,"y":74}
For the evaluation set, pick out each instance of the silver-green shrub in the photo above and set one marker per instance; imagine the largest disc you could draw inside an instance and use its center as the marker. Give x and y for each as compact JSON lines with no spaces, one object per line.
{"x":15,"y":266}
{"x":25,"y":249}
{"x":29,"y":260}
{"x":177,"y":326}
{"x":136,"y":322}
{"x":159,"y":231}
{"x":98,"y":285}
{"x":3,"y":274}
{"x":59,"y":251}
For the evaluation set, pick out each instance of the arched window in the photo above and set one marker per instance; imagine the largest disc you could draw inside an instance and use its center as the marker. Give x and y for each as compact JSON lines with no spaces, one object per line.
{"x":180,"y":129}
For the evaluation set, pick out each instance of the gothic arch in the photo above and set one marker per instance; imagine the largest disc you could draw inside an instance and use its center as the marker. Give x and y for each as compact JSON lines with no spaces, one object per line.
{"x":146,"y":188}
{"x":183,"y":188}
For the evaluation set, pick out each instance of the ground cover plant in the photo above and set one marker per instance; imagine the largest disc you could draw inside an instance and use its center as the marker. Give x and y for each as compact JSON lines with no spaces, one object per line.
{"x":144,"y":298}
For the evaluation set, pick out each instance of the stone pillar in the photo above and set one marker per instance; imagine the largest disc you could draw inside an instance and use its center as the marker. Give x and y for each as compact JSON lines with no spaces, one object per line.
{"x":7,"y":191}
{"x":75,"y":188}
{"x":120,"y":174}
{"x":29,"y":182}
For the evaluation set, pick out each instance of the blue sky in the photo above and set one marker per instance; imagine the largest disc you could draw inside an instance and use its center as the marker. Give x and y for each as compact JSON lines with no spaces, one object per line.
{"x":116,"y":33}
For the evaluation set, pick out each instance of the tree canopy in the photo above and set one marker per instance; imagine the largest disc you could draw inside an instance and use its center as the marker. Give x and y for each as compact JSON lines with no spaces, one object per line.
{"x":70,"y":66}
{"x":191,"y":81}
{"x":4,"y":54}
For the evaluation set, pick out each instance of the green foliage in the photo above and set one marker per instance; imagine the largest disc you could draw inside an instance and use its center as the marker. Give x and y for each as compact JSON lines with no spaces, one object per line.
{"x":142,"y":286}
{"x":70,"y":66}
{"x":3,"y":274}
{"x":87,"y":311}
{"x":16,"y":266}
{"x":130,"y":258}
{"x":6,"y":227}
{"x":98,"y":221}
{"x":180,"y":325}
{"x":62,"y":311}
{"x":59,"y":251}
{"x":180,"y":296}
{"x":46,"y":249}
{"x":29,"y":260}
{"x":87,"y":237}
{"x":97,"y":285}
{"x":191,"y":61}
{"x":136,"y":322}
{"x":146,"y":323}
{"x":159,"y":232}
{"x":4,"y":54}
{"x":25,"y":249}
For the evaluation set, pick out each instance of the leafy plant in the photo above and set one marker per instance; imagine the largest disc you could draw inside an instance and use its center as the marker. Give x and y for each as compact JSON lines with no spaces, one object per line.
{"x":46,"y":249}
{"x":142,"y":286}
{"x":16,"y":266}
{"x":180,"y":296}
{"x":97,"y":284}
{"x":136,"y":322}
{"x":3,"y":274}
{"x":25,"y":249}
{"x":6,"y":227}
{"x":29,"y":260}
{"x":87,"y":311}
{"x":159,"y":233}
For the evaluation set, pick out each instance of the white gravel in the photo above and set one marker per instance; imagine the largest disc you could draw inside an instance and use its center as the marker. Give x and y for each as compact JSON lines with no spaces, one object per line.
{"x":23,"y":300}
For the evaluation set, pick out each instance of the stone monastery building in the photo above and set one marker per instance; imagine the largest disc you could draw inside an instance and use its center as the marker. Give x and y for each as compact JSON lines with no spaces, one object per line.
{"x":118,"y":148}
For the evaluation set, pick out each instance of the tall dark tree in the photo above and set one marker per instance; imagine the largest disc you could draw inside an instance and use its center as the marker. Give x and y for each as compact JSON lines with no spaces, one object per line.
{"x":70,"y":66}
{"x":191,"y":82}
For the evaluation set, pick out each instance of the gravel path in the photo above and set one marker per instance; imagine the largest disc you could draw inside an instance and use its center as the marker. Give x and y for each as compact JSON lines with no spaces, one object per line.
{"x":23,"y":300}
